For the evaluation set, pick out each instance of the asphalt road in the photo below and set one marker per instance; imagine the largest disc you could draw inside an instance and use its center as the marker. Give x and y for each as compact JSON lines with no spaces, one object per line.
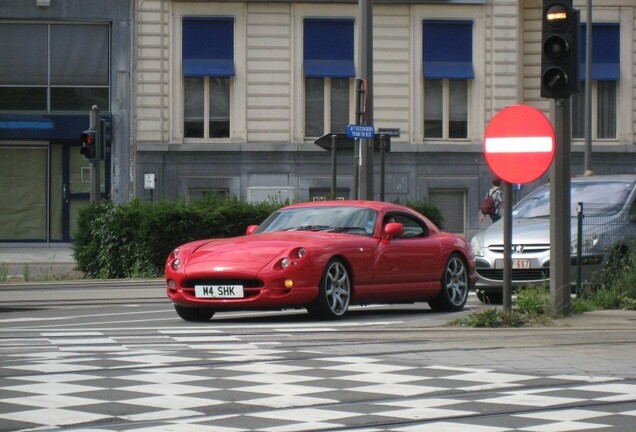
{"x":114,"y":356}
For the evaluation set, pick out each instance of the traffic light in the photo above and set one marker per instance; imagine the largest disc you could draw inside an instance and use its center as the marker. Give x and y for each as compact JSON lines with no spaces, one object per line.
{"x":89,"y":144}
{"x":559,"y":49}
{"x":107,"y":137}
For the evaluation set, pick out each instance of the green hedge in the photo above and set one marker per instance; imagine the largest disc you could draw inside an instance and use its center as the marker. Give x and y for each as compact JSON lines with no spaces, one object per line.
{"x":134,"y":239}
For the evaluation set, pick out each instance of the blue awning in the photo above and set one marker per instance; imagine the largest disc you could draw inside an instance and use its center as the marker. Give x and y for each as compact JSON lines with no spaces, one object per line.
{"x":447,"y":49}
{"x":328,"y":48}
{"x":208,"y":47}
{"x":605,"y":51}
{"x":50,"y":127}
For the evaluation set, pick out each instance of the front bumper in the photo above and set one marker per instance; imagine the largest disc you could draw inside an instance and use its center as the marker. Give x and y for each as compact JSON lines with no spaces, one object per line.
{"x":491,"y":274}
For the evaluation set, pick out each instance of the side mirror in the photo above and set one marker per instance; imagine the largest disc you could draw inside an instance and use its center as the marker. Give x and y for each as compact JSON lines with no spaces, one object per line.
{"x":250,"y":229}
{"x":393,"y":229}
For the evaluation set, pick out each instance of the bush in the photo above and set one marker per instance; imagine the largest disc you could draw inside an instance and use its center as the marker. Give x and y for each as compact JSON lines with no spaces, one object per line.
{"x":617,"y":286}
{"x":134,"y":239}
{"x":492,"y":318}
{"x":429,"y":210}
{"x":533,"y":300}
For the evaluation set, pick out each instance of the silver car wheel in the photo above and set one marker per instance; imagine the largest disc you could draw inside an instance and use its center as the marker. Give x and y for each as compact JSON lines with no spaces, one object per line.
{"x":456,"y":281}
{"x":337,"y":288}
{"x":334,"y":293}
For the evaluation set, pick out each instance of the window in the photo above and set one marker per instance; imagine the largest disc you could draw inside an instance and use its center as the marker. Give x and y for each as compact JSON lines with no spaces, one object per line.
{"x":67,"y":68}
{"x":412,"y":227}
{"x":447,"y":58}
{"x":328,"y":66}
{"x":605,"y":76}
{"x":208,"y":66}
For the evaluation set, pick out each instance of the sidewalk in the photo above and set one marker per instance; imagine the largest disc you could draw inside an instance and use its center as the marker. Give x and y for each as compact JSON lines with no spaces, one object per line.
{"x":37,"y":261}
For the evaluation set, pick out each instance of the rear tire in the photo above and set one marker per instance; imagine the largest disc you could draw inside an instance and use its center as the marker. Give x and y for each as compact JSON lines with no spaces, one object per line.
{"x":193,"y":314}
{"x":455,"y":286}
{"x":334,"y":294}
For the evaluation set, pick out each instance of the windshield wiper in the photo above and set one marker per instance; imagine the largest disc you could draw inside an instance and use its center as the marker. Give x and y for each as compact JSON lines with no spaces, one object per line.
{"x":348,"y":228}
{"x":308,"y":228}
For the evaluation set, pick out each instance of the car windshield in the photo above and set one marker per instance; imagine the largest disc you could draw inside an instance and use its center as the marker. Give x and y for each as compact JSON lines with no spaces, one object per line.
{"x":354,"y":220}
{"x":611,"y":194}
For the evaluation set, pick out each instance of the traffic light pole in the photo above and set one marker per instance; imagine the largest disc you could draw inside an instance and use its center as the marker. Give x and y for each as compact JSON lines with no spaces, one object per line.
{"x":95,"y":124}
{"x":366,"y":67}
{"x":559,"y":81}
{"x":560,"y":243}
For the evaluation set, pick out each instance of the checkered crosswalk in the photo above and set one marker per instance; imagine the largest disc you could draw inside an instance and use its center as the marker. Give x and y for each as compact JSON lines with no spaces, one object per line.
{"x":207,"y":381}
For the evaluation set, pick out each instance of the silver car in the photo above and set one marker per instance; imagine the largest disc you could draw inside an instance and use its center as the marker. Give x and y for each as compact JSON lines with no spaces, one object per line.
{"x":609,"y":224}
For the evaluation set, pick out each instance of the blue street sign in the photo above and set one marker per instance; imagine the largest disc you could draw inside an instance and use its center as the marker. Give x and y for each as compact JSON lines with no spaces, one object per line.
{"x":360,"y":131}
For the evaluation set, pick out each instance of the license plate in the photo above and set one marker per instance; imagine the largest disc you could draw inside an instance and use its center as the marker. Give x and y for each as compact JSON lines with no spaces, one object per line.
{"x":218,"y":291}
{"x":520,"y":263}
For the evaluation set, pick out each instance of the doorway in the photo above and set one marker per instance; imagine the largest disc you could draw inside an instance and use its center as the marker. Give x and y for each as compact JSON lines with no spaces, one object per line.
{"x":43,"y":187}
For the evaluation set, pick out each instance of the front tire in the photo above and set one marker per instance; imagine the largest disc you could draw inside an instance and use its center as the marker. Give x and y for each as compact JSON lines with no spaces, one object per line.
{"x":334,"y":294}
{"x":193,"y":314}
{"x":455,"y":287}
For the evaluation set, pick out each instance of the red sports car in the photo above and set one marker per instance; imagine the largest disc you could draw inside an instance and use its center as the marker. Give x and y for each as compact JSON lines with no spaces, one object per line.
{"x":323,"y":256}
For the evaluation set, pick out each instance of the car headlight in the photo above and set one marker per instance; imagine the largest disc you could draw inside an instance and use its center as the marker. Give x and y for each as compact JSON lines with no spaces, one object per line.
{"x":476,"y":245}
{"x":294,"y":257}
{"x":174,"y":260}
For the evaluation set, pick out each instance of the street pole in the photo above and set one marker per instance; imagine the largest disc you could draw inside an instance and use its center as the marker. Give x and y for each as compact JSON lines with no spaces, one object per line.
{"x":507,"y":260}
{"x":560,"y":255}
{"x":366,"y":68}
{"x":588,"y":89}
{"x":95,"y":124}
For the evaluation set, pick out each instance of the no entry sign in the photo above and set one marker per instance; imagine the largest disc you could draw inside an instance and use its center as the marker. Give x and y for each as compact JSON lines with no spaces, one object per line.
{"x":519,"y":144}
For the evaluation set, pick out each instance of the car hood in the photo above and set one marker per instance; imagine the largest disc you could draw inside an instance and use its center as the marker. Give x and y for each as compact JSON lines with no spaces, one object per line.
{"x":535,"y":231}
{"x":249,"y":254}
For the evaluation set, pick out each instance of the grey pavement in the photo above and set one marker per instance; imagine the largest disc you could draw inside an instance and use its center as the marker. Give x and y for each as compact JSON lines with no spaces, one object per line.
{"x":37,"y":261}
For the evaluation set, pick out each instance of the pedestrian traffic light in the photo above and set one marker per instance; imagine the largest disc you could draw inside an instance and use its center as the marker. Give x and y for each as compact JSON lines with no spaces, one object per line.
{"x":89,"y":144}
{"x":559,"y":49}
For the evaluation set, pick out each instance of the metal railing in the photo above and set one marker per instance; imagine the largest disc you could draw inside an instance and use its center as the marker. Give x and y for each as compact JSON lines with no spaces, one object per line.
{"x":594,"y":219}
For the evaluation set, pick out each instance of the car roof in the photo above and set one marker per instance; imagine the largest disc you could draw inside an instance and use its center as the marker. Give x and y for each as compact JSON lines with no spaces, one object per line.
{"x":375,"y":205}
{"x":628,"y":178}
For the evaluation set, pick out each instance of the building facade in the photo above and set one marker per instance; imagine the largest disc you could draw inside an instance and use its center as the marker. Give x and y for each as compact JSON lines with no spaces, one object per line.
{"x":59,"y":58}
{"x":230,"y":97}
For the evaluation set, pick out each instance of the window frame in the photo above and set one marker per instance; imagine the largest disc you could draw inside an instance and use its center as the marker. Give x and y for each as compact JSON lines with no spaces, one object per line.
{"x":599,"y":55}
{"x":237,"y":83}
{"x":458,"y":73}
{"x":327,"y":106}
{"x":54,"y":93}
{"x":328,"y":111}
{"x":299,"y":12}
{"x":476,"y":90}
